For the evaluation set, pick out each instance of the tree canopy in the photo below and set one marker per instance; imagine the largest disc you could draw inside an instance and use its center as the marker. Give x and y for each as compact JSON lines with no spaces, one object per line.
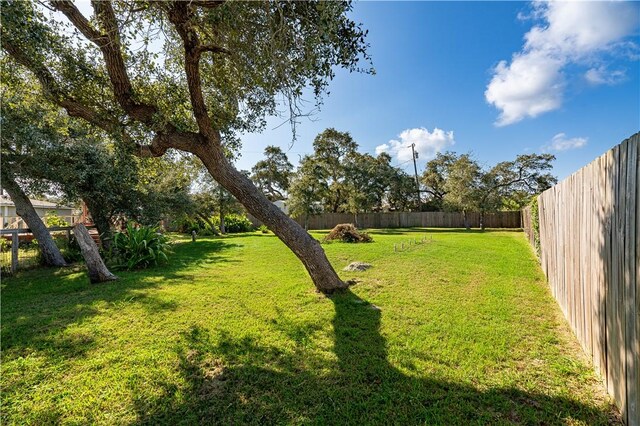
{"x":272,"y":175}
{"x":222,"y":68}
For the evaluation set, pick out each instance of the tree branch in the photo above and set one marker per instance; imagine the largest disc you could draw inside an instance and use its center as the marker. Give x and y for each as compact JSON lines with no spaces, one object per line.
{"x":161,"y":142}
{"x":109,"y":44}
{"x":207,"y":4}
{"x":179,"y":15}
{"x":214,"y":49}
{"x":53,"y":91}
{"x":79,"y":21}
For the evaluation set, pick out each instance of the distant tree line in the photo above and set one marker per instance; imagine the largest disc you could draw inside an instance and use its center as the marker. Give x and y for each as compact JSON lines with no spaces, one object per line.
{"x":337,"y":178}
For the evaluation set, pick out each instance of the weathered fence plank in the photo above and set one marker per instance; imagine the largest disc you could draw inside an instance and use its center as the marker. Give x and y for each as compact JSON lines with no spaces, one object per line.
{"x":590,"y":252}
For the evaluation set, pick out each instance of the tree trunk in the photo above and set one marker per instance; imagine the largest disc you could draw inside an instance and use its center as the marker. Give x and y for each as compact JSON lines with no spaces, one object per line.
{"x":307,"y":249}
{"x":98,"y":272}
{"x":51,"y":255}
{"x":101,"y":221}
{"x":466,"y":220}
{"x":482,"y":220}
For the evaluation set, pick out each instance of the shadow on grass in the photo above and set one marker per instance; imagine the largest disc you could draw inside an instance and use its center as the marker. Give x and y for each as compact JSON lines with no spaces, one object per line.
{"x":231,"y":380}
{"x":38,"y":306}
{"x":401,"y":231}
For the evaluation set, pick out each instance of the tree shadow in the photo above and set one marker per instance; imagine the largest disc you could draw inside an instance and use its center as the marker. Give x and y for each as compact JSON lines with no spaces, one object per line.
{"x":236,"y":380}
{"x":401,"y":231}
{"x":36,"y":315}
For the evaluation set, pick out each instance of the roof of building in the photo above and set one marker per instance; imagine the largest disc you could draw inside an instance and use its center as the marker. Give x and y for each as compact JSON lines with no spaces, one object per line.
{"x":6,"y":201}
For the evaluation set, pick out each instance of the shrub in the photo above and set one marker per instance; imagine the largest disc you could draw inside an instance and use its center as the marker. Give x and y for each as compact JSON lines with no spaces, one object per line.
{"x":237,"y":223}
{"x":69,"y":248}
{"x":348,"y":233}
{"x":139,"y":247}
{"x":263,"y":229}
{"x":52,"y":219}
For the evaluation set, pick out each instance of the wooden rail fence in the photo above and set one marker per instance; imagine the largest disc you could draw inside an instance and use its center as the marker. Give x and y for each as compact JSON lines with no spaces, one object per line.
{"x":16,"y":235}
{"x":590,"y":253}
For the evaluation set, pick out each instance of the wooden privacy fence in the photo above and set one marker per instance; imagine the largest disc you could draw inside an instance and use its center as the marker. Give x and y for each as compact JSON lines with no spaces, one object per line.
{"x":590,"y":252}
{"x":527,"y":225}
{"x":413,"y":219}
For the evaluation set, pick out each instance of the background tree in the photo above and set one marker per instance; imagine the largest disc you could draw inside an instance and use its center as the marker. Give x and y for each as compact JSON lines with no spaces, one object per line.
{"x":402,"y":190}
{"x":272,"y":175}
{"x":435,"y":176}
{"x":305,"y":192}
{"x":212,"y":199}
{"x":332,"y":151}
{"x":225,"y":64}
{"x":368,"y":180}
{"x":508,"y":181}
{"x":462,"y":186}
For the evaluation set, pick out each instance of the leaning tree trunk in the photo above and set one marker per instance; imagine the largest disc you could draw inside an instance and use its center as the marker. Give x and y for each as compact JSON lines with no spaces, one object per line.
{"x":98,"y":272}
{"x":306,"y":248}
{"x":51,"y":255}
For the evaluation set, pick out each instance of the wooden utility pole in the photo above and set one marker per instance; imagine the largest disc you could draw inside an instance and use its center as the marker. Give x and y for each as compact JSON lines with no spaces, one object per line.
{"x":415,"y":170}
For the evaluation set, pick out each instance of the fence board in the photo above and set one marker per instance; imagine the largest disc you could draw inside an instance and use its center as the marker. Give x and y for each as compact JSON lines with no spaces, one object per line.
{"x":629,"y":284}
{"x":590,"y":252}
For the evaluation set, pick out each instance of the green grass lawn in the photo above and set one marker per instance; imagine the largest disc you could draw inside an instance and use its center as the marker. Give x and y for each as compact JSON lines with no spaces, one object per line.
{"x":459,"y":330}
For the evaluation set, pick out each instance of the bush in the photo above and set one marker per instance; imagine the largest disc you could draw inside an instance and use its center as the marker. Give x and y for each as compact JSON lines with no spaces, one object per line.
{"x":185,"y":225}
{"x":139,"y":247}
{"x":263,"y":229}
{"x":70,"y":249}
{"x":237,"y":223}
{"x":52,"y":219}
{"x":347,"y":233}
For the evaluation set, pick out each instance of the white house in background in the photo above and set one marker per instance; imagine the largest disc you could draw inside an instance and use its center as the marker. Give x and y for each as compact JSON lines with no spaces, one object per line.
{"x":9,"y":218}
{"x":282,"y":205}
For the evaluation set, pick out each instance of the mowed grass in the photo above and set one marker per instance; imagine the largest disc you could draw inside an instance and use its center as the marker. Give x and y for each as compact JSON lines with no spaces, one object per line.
{"x":459,"y":330}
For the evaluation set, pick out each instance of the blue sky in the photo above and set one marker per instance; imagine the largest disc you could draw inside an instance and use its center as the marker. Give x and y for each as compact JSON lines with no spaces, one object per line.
{"x":496,"y":79}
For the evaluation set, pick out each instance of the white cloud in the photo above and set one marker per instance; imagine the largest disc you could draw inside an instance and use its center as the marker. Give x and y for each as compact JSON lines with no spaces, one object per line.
{"x":572,"y":32}
{"x":427,"y":143}
{"x":602,"y":75}
{"x":560,"y":142}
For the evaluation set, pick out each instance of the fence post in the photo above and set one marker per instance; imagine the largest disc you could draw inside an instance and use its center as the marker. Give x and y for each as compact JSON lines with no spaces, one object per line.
{"x":15,"y":242}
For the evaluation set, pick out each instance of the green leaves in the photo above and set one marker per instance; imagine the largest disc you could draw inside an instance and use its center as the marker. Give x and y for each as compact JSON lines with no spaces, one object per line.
{"x":139,"y":247}
{"x":272,"y":174}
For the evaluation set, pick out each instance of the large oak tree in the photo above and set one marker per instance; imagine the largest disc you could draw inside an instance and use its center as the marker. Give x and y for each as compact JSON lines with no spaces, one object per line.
{"x":222,"y":69}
